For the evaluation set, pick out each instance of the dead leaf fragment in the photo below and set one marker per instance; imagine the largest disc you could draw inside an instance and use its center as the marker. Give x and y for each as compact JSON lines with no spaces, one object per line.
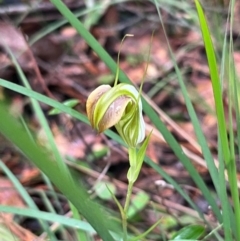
{"x":9,"y":196}
{"x":13,"y":39}
{"x":15,"y":231}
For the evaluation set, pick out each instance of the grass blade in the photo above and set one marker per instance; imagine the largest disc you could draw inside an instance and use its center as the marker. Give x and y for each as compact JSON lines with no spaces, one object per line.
{"x":74,"y":191}
{"x":50,"y":217}
{"x":228,"y":156}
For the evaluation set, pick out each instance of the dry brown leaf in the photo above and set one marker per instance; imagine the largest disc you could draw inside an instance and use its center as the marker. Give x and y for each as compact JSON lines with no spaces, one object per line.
{"x":9,"y":196}
{"x":136,"y":73}
{"x":72,"y":70}
{"x":204,"y":88}
{"x":16,"y":230}
{"x":12,"y":39}
{"x":17,"y":105}
{"x":68,"y":32}
{"x":187,"y":127}
{"x":15,"y":41}
{"x":152,"y":153}
{"x":29,"y":175}
{"x":75,"y":149}
{"x":139,"y":49}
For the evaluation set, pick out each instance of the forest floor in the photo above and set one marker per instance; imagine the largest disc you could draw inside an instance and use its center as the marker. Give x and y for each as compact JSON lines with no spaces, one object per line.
{"x":61,"y":65}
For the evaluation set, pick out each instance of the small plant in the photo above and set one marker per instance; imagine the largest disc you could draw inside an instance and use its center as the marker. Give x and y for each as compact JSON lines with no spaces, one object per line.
{"x":121,"y":106}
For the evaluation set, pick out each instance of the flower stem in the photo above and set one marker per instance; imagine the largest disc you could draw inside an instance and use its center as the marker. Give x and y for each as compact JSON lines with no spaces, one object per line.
{"x":126,"y":206}
{"x":128,"y":198}
{"x":131,"y":179}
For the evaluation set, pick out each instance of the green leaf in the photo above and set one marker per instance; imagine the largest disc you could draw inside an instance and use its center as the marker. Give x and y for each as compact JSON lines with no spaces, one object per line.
{"x":105,"y":79}
{"x":142,"y":152}
{"x":136,"y":160}
{"x":105,"y":190}
{"x":132,"y":175}
{"x":50,"y":217}
{"x":138,"y":203}
{"x":70,"y":103}
{"x":189,"y":232}
{"x":169,"y":222}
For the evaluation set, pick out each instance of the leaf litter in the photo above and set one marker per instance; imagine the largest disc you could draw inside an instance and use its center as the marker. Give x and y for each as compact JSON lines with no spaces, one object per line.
{"x":62,"y":66}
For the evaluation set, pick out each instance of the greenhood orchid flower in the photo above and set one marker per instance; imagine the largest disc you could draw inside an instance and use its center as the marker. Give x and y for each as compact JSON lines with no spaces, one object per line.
{"x":118,"y":106}
{"x":121,"y":106}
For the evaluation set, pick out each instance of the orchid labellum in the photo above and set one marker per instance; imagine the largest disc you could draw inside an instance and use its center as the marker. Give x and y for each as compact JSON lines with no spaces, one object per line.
{"x":118,"y":106}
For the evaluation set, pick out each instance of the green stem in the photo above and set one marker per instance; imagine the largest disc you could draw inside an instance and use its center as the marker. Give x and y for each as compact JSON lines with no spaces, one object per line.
{"x":128,"y":198}
{"x":126,"y":206}
{"x":131,"y":180}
